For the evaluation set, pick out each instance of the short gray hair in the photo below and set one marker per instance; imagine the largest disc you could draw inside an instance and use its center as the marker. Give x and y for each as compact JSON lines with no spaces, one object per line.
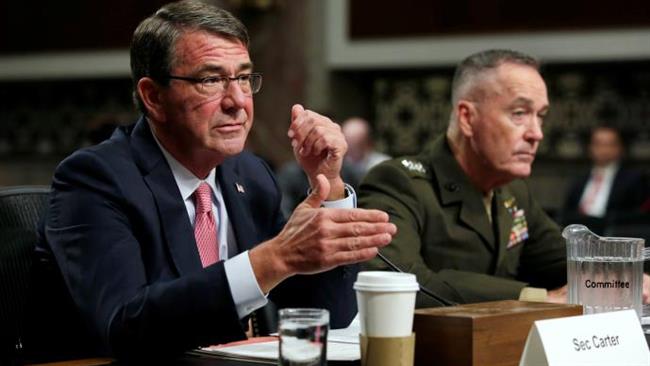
{"x":474,"y":65}
{"x":152,"y":47}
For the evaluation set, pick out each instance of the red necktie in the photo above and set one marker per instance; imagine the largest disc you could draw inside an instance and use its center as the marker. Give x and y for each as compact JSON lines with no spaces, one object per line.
{"x":205,"y":229}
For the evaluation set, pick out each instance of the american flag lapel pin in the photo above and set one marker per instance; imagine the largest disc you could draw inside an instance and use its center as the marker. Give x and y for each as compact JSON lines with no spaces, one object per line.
{"x":240,"y":188}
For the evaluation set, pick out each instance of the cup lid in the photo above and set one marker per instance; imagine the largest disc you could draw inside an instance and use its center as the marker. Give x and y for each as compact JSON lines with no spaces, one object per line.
{"x":381,"y":281}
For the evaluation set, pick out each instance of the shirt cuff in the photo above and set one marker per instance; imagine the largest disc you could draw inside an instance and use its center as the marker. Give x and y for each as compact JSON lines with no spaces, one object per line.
{"x":245,"y":290}
{"x":533,"y":294}
{"x":350,"y":200}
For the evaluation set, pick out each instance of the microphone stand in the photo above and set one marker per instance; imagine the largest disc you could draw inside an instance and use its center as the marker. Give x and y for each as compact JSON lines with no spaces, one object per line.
{"x":424,"y":290}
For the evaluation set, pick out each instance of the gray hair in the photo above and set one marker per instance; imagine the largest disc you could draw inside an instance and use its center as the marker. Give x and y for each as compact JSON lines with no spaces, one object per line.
{"x":475,"y":65}
{"x":154,"y":40}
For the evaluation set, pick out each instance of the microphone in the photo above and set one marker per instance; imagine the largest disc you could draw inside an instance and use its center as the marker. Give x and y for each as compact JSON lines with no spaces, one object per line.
{"x":441,"y":300}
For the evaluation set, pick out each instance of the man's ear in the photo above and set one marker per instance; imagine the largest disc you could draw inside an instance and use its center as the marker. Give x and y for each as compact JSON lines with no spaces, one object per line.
{"x":467,"y":115}
{"x":151,"y":95}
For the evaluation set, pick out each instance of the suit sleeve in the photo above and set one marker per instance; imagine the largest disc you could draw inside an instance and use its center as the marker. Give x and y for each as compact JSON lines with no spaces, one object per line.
{"x":93,"y":234}
{"x":388,"y":187}
{"x":331,"y":290}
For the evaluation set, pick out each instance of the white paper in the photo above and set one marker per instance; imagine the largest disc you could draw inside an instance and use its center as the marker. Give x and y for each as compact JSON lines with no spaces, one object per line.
{"x":342,"y":345}
{"x":605,"y":339}
{"x":263,"y":350}
{"x":346,"y":335}
{"x":269,"y":351}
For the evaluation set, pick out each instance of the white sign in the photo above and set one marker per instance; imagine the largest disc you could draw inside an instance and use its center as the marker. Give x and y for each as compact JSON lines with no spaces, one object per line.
{"x":605,"y":339}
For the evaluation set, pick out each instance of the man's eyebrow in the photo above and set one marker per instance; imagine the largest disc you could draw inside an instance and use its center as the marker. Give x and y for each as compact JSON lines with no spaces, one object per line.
{"x":521,"y":100}
{"x":528,"y":103}
{"x":217,"y":69}
{"x":544,"y":110}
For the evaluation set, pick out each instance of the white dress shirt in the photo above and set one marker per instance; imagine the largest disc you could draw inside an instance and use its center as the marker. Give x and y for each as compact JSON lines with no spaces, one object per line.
{"x":593,"y":201}
{"x":244,"y":288}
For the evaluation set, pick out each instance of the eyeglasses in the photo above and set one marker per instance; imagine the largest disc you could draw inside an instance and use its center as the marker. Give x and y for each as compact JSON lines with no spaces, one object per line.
{"x":213,"y":85}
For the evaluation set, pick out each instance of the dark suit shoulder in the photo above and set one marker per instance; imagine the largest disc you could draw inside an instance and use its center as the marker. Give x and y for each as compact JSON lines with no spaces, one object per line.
{"x":246,"y":162}
{"x":106,"y":163}
{"x":113,"y":149}
{"x":252,"y":168}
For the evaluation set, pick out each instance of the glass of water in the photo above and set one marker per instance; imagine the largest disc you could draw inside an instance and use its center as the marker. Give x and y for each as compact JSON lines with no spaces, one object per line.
{"x":303,"y":336}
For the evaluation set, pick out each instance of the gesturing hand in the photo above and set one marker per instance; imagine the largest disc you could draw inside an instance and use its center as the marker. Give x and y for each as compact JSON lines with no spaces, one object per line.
{"x":319,"y":147}
{"x":317,"y":239}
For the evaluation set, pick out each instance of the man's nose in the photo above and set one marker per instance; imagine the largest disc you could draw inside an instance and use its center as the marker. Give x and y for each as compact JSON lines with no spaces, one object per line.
{"x":534,"y":131}
{"x":233,"y":96}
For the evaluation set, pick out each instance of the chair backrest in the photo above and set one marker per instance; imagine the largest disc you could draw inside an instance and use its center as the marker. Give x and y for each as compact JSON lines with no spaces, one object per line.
{"x":21,"y":208}
{"x":265,"y":320}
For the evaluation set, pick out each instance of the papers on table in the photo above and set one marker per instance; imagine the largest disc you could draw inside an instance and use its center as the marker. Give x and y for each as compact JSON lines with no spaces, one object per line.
{"x":342,"y":345}
{"x":346,"y":335}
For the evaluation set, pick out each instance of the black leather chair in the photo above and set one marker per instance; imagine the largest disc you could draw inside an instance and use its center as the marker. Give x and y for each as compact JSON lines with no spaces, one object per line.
{"x":38,"y":321}
{"x":20,"y":211}
{"x":265,"y":320}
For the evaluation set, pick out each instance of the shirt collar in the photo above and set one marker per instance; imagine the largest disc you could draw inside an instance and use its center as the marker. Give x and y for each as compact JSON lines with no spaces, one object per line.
{"x":186,"y":181}
{"x":607,"y":170}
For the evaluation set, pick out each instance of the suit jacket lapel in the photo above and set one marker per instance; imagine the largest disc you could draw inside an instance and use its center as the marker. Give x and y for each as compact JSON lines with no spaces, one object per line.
{"x":234,"y":193}
{"x":171,"y":208}
{"x":454,"y":187}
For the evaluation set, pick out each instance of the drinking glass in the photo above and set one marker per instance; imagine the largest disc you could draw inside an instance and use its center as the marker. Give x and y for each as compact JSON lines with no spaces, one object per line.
{"x":303,"y":336}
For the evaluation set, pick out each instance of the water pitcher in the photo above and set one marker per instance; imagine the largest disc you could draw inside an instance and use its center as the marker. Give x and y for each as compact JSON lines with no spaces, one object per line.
{"x":603,"y":273}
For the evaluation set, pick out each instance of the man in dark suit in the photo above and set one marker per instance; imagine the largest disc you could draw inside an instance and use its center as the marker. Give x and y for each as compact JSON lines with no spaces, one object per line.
{"x":168,"y":235}
{"x":609,"y":187}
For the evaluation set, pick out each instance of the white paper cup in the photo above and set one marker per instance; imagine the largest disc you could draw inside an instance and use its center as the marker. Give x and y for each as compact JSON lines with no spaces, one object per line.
{"x":386,"y":301}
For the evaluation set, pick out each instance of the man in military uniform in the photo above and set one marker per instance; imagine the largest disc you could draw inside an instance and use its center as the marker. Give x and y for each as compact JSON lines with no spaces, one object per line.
{"x":468,"y":226}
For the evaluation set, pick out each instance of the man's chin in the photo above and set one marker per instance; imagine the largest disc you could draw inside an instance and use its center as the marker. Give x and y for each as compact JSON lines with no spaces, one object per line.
{"x":232,"y":150}
{"x":228,"y":148}
{"x":521,"y":172}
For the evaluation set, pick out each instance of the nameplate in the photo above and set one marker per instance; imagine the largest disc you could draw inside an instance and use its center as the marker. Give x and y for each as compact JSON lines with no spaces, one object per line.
{"x":606,"y":339}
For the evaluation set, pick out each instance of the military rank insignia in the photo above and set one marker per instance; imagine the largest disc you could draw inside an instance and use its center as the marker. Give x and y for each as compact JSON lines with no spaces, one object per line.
{"x":519,"y":231}
{"x":414,"y":166}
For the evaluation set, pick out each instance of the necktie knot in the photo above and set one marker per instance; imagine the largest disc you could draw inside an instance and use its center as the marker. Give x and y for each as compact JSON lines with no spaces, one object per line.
{"x":203,"y":198}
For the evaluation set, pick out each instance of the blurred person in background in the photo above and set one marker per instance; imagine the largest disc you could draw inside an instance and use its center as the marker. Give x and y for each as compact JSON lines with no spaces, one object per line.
{"x":361,"y":155}
{"x":609,"y":187}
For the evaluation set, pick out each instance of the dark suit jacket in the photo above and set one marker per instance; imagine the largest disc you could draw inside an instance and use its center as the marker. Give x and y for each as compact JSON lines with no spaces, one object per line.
{"x":627,"y":194}
{"x":120,"y":233}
